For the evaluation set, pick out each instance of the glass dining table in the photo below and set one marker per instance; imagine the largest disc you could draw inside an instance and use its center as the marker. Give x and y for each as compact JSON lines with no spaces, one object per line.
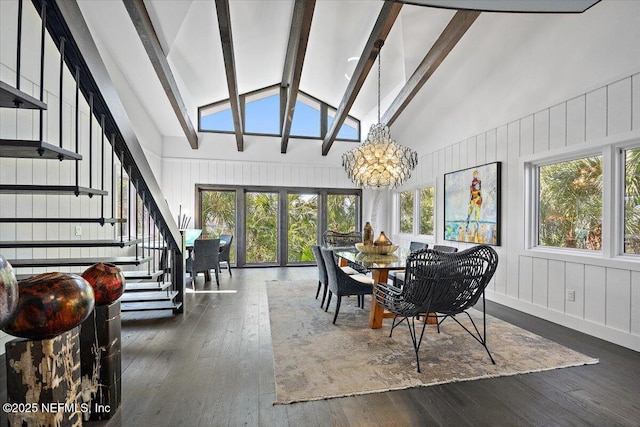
{"x":379,"y":265}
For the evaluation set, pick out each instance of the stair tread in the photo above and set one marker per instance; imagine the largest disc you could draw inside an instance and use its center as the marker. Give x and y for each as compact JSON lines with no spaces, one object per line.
{"x":70,"y":262}
{"x":144,"y":296}
{"x":142,"y":274}
{"x":65,"y":220}
{"x":33,"y":149}
{"x":67,"y":243}
{"x":151,"y":305}
{"x":51,"y":189}
{"x":138,"y":287}
{"x":9,"y":95}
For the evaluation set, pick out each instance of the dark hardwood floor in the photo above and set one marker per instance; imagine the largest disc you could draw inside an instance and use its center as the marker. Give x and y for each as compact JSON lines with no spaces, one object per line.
{"x":213,"y":366}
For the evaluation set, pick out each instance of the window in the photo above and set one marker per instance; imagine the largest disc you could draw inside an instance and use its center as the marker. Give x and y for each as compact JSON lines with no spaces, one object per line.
{"x":306,"y":117}
{"x":342,"y":212}
{"x":426,"y":211}
{"x":570,"y":204}
{"x":406,"y":212}
{"x":632,"y":201}
{"x":216,"y":117}
{"x":262,"y":112}
{"x":349,"y":130}
{"x":303,"y":222}
{"x":218,"y":215}
{"x":262,"y":115}
{"x":275,"y":225}
{"x":262,"y":227}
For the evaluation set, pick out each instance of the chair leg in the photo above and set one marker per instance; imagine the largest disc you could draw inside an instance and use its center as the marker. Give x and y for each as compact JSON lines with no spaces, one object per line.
{"x":229,"y":268}
{"x":217,"y":278}
{"x":318,"y":291}
{"x":328,"y":301}
{"x":324,"y":295}
{"x":414,"y":338}
{"x":335,"y":316}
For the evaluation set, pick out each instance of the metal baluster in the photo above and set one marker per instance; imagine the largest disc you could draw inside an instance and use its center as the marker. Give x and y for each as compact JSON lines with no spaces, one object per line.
{"x":62,"y":42}
{"x":43,"y":31}
{"x":102,"y":169}
{"x":19,"y":45}
{"x":90,"y":139}
{"x":77,"y":127}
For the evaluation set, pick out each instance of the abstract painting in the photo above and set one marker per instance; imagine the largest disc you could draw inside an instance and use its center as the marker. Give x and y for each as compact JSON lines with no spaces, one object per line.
{"x":472,"y":205}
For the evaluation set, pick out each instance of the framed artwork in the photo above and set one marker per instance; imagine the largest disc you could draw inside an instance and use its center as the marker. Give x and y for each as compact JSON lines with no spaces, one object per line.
{"x":472,"y":205}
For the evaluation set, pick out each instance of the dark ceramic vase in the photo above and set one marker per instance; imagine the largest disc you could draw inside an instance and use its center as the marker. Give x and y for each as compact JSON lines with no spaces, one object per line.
{"x":50,"y":304}
{"x":107,"y":282}
{"x":8,"y":291}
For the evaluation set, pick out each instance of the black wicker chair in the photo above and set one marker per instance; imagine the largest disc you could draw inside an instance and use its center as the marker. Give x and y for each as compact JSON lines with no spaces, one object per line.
{"x":225,"y":251}
{"x":445,"y":283}
{"x":342,"y":284}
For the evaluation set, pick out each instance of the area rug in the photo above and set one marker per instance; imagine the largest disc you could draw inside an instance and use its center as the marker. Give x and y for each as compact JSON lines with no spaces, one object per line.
{"x":315,"y":359}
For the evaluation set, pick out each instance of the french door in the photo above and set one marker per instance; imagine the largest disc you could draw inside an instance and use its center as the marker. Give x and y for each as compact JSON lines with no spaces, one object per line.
{"x":274,"y":225}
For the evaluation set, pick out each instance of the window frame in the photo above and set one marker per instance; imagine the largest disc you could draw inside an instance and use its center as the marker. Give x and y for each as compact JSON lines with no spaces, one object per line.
{"x":416,"y":211}
{"x":613,"y":181}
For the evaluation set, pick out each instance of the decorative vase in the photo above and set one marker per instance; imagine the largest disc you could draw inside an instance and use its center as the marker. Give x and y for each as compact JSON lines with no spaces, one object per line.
{"x":50,"y":304}
{"x":107,"y":281}
{"x":8,"y":291}
{"x":382,"y":240}
{"x":368,"y":234}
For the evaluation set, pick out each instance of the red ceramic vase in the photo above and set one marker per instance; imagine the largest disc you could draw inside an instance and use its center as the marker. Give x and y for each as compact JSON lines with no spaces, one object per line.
{"x":50,"y":304}
{"x":8,"y":291}
{"x":107,"y":282}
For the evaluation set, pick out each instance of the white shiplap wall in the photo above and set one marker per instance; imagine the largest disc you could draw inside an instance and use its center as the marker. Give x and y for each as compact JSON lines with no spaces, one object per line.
{"x":607,"y":302}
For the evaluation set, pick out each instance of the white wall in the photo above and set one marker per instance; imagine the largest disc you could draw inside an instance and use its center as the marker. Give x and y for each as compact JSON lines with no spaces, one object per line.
{"x":556,"y":111}
{"x":261,"y":163}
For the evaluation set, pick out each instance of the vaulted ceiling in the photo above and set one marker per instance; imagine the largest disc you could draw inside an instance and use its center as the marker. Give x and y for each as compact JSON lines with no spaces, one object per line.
{"x":188,"y":35}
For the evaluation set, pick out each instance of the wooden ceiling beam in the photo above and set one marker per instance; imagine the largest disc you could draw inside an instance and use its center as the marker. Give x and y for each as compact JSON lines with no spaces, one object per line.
{"x":224,"y":25}
{"x":294,"y":60}
{"x":449,"y":37}
{"x":143,"y":25}
{"x":385,"y":21}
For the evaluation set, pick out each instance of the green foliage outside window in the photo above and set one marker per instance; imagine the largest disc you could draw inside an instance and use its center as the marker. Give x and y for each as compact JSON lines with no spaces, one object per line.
{"x":406,"y":212}
{"x":426,"y":210}
{"x":218,"y":213}
{"x":341,"y":212}
{"x":570,"y":204}
{"x":262,"y":227}
{"x":303,"y":226}
{"x":632,"y":202}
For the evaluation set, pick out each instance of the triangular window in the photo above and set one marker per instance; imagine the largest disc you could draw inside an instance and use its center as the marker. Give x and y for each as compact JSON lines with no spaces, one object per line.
{"x":263,"y":115}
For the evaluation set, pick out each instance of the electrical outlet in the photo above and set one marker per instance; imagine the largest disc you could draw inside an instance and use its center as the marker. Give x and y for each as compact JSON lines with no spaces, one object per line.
{"x":571,"y":295}
{"x":78,"y":230}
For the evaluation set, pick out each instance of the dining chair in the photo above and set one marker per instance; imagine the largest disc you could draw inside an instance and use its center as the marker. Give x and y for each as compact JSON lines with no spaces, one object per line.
{"x":322,"y":273}
{"x":397,"y":277}
{"x":445,"y":248}
{"x":225,"y":250}
{"x":447,"y":284}
{"x":204,"y":259}
{"x":342,"y":284}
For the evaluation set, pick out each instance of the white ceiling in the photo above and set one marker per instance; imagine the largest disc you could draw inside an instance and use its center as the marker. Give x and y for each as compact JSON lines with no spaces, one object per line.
{"x":514,"y":49}
{"x":188,"y":33}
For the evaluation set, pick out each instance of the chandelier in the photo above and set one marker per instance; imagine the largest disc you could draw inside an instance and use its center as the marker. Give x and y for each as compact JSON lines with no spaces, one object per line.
{"x":379,"y":162}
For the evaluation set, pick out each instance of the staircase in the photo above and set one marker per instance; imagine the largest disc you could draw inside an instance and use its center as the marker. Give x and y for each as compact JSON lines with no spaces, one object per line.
{"x":83,"y":168}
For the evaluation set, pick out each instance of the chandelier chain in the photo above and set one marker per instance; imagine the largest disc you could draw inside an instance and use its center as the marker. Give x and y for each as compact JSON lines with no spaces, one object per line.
{"x":379,"y":60}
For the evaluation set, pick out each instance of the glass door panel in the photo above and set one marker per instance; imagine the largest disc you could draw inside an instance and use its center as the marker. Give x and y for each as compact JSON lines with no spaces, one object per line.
{"x":302,"y":211}
{"x":261,"y":233}
{"x":218,"y":213}
{"x":341,"y":212}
